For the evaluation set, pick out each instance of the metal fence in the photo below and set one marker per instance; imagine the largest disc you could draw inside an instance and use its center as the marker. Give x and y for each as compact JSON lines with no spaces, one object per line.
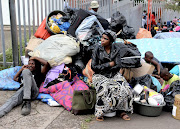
{"x":26,"y":15}
{"x":23,"y":16}
{"x":159,"y":9}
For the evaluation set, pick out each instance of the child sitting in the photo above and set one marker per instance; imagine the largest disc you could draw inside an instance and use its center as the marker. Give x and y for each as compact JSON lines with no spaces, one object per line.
{"x":168,"y":79}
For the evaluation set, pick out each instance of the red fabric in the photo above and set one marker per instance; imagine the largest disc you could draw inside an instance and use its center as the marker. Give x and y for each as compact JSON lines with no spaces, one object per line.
{"x":152,"y":16}
{"x":42,"y":31}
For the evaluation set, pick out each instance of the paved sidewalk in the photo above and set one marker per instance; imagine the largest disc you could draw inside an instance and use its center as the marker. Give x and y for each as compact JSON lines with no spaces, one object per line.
{"x":45,"y":117}
{"x":42,"y":117}
{"x":164,"y":121}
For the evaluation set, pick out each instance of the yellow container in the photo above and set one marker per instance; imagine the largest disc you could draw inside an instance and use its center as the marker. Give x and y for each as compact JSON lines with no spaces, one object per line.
{"x":176,"y":107}
{"x":156,"y":28}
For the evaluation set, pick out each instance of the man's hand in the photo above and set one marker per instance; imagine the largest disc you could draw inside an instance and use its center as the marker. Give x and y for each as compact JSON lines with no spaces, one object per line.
{"x":32,"y":58}
{"x":24,"y":67}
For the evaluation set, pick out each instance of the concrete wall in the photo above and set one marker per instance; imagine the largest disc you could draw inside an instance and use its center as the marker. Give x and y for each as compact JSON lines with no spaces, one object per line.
{"x":169,"y":15}
{"x":133,"y":14}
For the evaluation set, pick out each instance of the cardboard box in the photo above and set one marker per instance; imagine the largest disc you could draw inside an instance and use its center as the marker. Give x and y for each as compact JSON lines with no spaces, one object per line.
{"x":176,"y":107}
{"x":143,"y":70}
{"x":127,"y":73}
{"x":33,"y":43}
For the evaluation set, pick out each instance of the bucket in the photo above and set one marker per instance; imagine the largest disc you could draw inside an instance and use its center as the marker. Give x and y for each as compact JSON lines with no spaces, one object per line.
{"x":55,"y":12}
{"x":176,"y":107}
{"x":148,"y":110}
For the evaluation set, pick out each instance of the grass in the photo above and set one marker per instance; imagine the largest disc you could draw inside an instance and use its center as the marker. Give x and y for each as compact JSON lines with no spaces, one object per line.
{"x":84,"y":125}
{"x":9,"y":55}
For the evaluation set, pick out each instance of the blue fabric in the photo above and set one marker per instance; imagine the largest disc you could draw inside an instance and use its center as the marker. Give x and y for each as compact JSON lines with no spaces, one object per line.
{"x":6,"y":79}
{"x":165,"y":50}
{"x":156,"y":83}
{"x":65,"y":26}
{"x":166,"y":35}
{"x":44,"y":97}
{"x":175,"y":70}
{"x":168,"y":23}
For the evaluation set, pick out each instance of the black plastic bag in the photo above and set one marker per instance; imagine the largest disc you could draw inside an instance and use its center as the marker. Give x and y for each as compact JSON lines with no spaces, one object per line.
{"x":170,"y":93}
{"x":117,"y":22}
{"x":127,"y":33}
{"x":71,"y":14}
{"x":143,"y":80}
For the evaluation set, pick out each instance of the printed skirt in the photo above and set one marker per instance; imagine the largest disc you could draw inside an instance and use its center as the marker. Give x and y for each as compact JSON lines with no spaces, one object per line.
{"x":112,"y":94}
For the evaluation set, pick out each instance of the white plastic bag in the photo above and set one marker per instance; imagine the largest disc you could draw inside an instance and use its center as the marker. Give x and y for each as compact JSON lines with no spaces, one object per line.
{"x":56,"y":49}
{"x":84,"y":31}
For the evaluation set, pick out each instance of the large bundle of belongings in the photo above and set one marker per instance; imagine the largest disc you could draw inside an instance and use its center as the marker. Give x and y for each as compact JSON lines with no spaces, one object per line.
{"x":66,"y":39}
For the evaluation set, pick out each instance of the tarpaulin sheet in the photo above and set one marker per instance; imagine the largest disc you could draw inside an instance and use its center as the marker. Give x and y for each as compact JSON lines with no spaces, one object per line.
{"x":165,"y":50}
{"x":166,"y":35}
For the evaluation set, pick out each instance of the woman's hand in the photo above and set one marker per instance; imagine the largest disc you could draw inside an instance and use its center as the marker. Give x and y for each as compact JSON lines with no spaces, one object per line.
{"x":112,"y":63}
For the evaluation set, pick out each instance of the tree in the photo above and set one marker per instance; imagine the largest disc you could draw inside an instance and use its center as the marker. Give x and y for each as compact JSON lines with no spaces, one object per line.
{"x":173,"y":4}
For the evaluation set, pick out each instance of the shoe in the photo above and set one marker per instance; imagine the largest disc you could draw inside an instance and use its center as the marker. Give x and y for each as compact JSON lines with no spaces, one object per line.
{"x":26,"y":108}
{"x":124,"y":116}
{"x":100,"y":118}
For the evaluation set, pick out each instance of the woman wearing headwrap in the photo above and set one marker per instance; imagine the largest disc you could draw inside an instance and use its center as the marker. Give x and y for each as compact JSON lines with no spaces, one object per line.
{"x":112,"y":90}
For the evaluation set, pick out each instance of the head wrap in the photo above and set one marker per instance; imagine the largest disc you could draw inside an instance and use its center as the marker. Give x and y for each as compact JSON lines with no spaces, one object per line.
{"x":111,"y":34}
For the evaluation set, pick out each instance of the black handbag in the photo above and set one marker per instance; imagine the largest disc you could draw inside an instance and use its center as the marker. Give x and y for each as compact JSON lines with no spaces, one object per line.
{"x":84,"y":101}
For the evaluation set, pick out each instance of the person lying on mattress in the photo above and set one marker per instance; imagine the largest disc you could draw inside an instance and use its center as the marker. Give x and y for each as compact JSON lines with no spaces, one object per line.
{"x":168,"y":79}
{"x":149,"y":58}
{"x":31,"y":76}
{"x":112,"y":90}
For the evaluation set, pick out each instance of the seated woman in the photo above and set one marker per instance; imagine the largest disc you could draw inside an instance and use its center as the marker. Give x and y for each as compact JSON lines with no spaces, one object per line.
{"x":32,"y":76}
{"x":112,"y":90}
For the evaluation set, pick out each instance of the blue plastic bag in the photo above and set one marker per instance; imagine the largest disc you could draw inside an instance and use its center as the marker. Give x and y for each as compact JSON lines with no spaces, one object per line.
{"x":156,"y":83}
{"x":175,"y":70}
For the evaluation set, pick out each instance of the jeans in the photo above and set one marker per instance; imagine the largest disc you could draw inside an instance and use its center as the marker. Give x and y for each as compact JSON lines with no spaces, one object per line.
{"x":27,"y":92}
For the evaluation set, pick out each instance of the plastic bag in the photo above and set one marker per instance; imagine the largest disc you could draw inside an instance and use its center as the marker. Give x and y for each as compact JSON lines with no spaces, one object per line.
{"x":175,"y":70}
{"x":84,"y":31}
{"x":56,"y":48}
{"x":154,"y":96}
{"x":127,"y":33}
{"x":143,"y":33}
{"x":118,"y":21}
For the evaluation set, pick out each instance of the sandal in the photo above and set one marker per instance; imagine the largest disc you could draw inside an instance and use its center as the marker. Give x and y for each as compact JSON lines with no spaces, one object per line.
{"x":124,"y":116}
{"x":99,"y":118}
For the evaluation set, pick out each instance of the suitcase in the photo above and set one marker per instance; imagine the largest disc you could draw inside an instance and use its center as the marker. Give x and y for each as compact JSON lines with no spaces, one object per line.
{"x":81,"y":15}
{"x":42,"y":32}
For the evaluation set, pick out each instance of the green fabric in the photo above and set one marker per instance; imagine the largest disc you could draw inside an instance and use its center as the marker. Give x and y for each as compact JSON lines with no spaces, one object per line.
{"x":84,"y":99}
{"x":174,"y":78}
